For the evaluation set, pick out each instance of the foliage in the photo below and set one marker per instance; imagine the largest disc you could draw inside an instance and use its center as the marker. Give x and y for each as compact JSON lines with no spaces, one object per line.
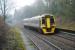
{"x":57,"y":7}
{"x":14,"y":40}
{"x":62,"y":9}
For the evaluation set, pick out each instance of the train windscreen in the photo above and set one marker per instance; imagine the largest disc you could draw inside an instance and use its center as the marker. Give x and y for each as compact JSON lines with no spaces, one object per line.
{"x":52,"y":20}
{"x":43,"y":20}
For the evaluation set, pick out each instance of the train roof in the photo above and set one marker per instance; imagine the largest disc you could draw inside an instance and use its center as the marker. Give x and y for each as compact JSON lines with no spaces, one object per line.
{"x":36,"y":17}
{"x":33,"y":18}
{"x":46,"y":14}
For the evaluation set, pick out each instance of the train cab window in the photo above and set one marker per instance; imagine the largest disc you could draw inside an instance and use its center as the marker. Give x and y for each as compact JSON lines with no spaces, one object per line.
{"x":43,"y":20}
{"x":52,"y":20}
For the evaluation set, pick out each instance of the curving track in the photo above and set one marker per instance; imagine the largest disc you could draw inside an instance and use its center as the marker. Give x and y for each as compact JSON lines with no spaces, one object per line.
{"x":58,"y":41}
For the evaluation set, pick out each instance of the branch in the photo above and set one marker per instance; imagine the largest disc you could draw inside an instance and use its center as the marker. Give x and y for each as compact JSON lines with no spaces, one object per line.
{"x":1,"y":6}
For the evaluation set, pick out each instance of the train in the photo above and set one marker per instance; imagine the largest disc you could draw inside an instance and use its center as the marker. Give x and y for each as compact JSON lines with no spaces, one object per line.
{"x":43,"y":23}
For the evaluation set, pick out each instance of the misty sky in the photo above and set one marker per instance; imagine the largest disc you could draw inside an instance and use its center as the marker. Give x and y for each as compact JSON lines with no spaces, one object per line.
{"x":19,"y":4}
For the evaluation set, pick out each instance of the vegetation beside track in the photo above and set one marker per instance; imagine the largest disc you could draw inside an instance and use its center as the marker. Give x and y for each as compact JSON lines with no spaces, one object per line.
{"x":14,"y":40}
{"x":65,"y":23}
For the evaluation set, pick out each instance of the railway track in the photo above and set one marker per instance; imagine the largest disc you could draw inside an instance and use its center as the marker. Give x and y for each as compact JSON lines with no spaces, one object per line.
{"x":29,"y":45}
{"x":60,"y":41}
{"x":40,"y":43}
{"x":66,"y":35}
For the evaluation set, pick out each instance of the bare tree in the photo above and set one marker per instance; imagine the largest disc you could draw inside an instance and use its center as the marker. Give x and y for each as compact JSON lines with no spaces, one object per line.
{"x":2,"y":8}
{"x":5,"y":6}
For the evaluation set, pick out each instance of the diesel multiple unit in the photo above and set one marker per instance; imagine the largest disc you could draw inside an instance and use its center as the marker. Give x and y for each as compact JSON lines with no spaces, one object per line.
{"x":44,"y":23}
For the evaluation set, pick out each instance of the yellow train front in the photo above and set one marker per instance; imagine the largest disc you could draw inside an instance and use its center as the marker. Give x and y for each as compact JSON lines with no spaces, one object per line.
{"x":47,"y":24}
{"x":44,"y":23}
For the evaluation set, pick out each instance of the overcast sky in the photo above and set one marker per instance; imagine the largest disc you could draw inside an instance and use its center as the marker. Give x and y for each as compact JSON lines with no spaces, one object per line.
{"x":19,"y":4}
